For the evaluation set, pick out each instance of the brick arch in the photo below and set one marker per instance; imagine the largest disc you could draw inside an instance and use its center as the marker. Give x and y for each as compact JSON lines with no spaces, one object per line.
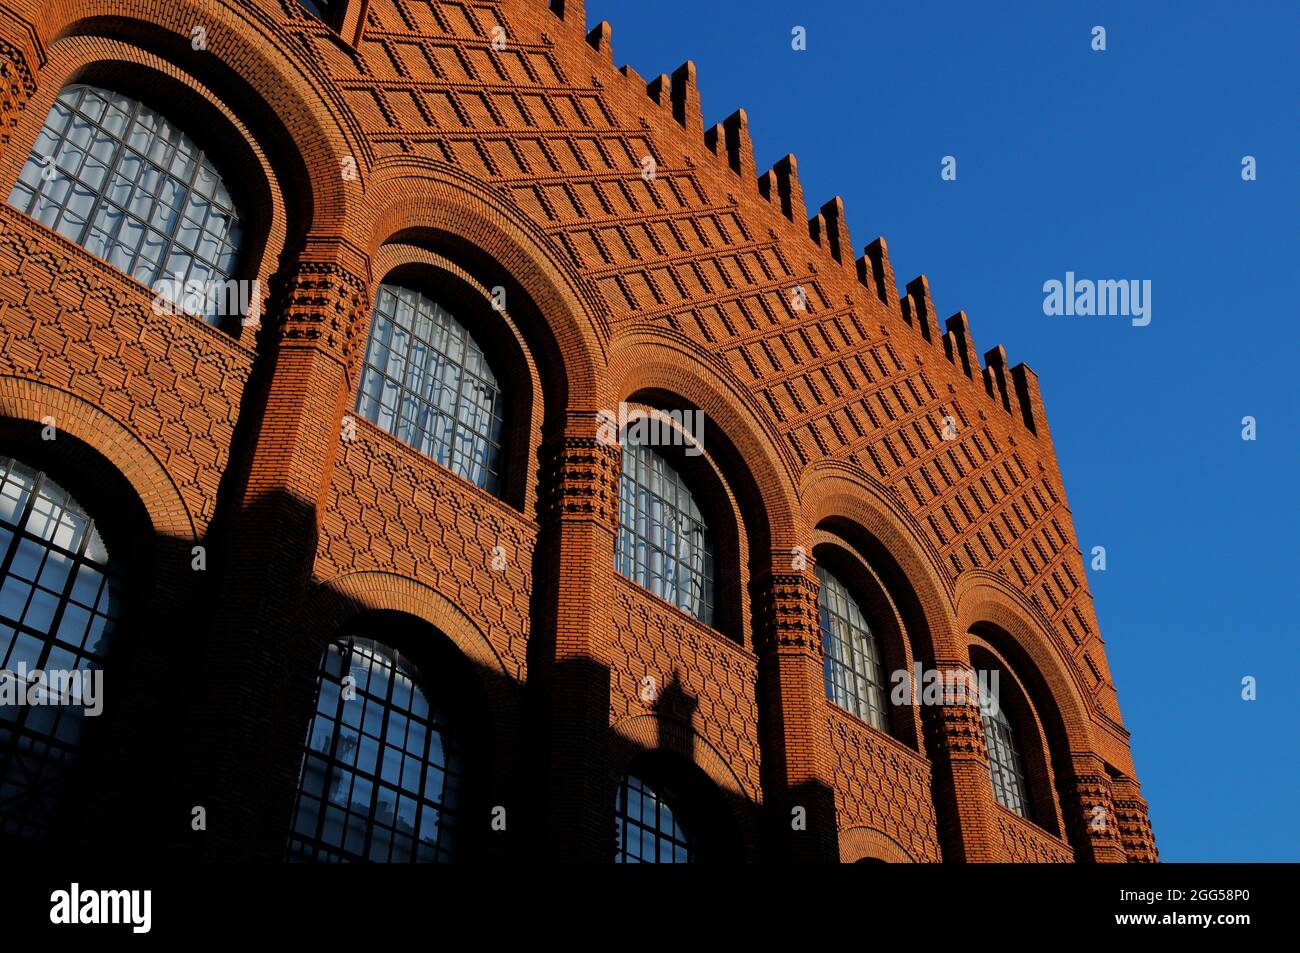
{"x":644,"y":363}
{"x":119,"y":65}
{"x":413,"y":199}
{"x":833,"y":492}
{"x":1039,"y":739}
{"x":859,"y":843}
{"x":888,"y":621}
{"x":529,"y":386}
{"x":983,"y":598}
{"x":700,"y":766}
{"x":333,"y":602}
{"x":249,"y":75}
{"x":637,"y":734}
{"x":31,"y":401}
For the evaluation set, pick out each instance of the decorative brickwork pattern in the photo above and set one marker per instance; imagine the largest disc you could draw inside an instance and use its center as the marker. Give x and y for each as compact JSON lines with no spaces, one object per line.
{"x":1134,"y":824}
{"x":18,"y":86}
{"x":389,"y":509}
{"x":71,"y":323}
{"x":788,"y":609}
{"x":647,"y":258}
{"x":881,"y":784}
{"x":1026,"y":843}
{"x":582,"y":480}
{"x":698,"y":677}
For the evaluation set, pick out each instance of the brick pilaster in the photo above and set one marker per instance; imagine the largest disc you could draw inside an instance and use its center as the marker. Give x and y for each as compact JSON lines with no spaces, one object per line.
{"x":574,"y":609}
{"x":962,"y":790}
{"x":266,"y":545}
{"x":1089,"y":811}
{"x":1134,"y":824}
{"x":787,"y":638}
{"x":21,"y":58}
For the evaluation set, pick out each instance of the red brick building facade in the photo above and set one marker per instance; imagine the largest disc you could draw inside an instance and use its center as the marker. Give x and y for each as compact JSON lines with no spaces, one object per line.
{"x":602,"y":247}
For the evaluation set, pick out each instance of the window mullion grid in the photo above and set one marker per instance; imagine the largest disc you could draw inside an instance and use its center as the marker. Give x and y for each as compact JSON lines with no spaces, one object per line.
{"x":136,"y":180}
{"x":422,"y":801}
{"x":19,"y":724}
{"x":74,"y":175}
{"x":393,"y":675}
{"x":345,"y":661}
{"x":76,"y":559}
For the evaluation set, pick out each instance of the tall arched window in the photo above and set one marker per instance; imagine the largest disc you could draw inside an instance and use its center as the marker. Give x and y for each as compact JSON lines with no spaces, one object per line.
{"x":129,"y":186}
{"x":853,"y":665}
{"x":664,"y":544}
{"x":1006,"y":767}
{"x":59,"y":608}
{"x":381,"y":776}
{"x":427,"y":382}
{"x":649,"y":826}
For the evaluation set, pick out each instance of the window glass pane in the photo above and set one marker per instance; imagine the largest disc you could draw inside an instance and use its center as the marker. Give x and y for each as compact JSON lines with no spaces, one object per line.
{"x":46,"y":538}
{"x":407,"y":368}
{"x":853,"y":665}
{"x":664,"y":543}
{"x":647,"y":826}
{"x":317,"y":8}
{"x":394,"y":781}
{"x":1006,"y":767}
{"x":93,"y":162}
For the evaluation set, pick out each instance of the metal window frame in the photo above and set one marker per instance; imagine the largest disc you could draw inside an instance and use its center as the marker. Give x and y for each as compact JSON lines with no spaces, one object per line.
{"x":651,"y":484}
{"x":1006,"y":765}
{"x":459,"y":460}
{"x":18,"y":729}
{"x":678,"y":835}
{"x":232,"y":240}
{"x":853,"y":658}
{"x":315,"y":848}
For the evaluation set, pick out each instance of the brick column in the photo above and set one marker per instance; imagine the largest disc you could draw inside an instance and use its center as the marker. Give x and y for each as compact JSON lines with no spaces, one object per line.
{"x":573,"y":610}
{"x":787,"y":638}
{"x":260,"y":666}
{"x":1089,"y":811}
{"x":962,"y":790}
{"x":1134,"y":824}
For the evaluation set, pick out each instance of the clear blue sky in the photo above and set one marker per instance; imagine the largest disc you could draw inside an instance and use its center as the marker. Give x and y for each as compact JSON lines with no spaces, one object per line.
{"x":1119,"y":164}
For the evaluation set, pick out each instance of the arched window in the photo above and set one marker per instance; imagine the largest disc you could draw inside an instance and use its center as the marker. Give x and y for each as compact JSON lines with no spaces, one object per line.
{"x":1006,"y":767}
{"x":125,"y":183}
{"x":320,"y":9}
{"x":853,"y":662}
{"x":649,"y":826}
{"x":59,"y":608}
{"x":381,"y":776}
{"x":427,"y":382}
{"x":664,"y":543}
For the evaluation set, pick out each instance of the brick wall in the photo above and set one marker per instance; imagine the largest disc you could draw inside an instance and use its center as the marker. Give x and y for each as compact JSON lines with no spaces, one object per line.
{"x":400,"y":134}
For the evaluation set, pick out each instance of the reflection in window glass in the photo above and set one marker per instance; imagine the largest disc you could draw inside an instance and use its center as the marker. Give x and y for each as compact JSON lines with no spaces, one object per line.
{"x":119,"y":179}
{"x":381,"y":775}
{"x":427,"y":382}
{"x":649,"y":826}
{"x":320,"y":9}
{"x":1006,"y":768}
{"x":663,"y":542}
{"x":59,"y":608}
{"x":853,"y":669}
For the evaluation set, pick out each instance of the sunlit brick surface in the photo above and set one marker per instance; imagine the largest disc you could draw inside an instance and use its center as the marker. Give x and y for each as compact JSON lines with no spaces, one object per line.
{"x":601,"y":246}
